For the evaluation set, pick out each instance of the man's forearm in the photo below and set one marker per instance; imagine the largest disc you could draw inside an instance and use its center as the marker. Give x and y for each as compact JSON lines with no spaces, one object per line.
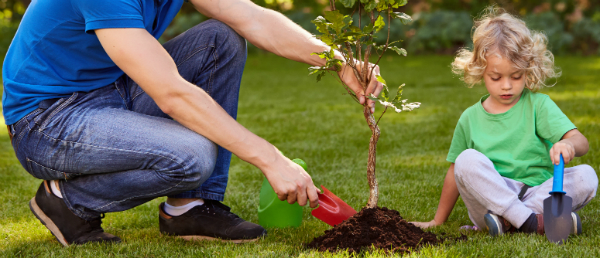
{"x":266,"y":29}
{"x":196,"y":110}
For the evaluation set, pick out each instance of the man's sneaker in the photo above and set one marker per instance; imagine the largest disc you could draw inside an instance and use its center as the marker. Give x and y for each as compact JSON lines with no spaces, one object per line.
{"x":62,"y":223}
{"x":497,"y":225}
{"x":210,"y":221}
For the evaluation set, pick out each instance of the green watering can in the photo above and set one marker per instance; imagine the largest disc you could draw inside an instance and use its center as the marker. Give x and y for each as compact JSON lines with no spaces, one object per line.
{"x":273,"y":213}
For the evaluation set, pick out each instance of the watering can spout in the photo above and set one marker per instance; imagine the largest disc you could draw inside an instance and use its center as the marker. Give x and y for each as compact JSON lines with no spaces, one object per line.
{"x":332,"y":210}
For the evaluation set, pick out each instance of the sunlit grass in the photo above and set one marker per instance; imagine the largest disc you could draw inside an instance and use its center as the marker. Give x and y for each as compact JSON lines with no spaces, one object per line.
{"x":319,"y":123}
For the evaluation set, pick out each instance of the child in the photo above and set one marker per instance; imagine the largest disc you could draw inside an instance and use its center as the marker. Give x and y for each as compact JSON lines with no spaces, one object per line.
{"x":504,"y":146}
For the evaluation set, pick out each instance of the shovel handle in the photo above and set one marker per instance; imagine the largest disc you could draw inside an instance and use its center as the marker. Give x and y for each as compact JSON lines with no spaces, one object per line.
{"x":559,"y":172}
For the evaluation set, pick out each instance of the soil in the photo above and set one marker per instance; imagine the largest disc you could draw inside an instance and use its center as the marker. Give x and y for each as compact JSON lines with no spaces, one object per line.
{"x":380,"y":228}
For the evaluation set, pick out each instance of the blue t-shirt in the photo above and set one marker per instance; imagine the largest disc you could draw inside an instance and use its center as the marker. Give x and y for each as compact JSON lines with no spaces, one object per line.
{"x":55,"y":51}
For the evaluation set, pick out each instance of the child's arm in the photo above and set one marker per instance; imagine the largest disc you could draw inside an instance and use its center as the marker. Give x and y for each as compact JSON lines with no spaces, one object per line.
{"x":573,"y":144}
{"x":447,"y":201}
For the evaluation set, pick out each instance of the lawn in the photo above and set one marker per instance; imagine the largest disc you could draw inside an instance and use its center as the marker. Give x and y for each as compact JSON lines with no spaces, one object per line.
{"x":320,"y":124}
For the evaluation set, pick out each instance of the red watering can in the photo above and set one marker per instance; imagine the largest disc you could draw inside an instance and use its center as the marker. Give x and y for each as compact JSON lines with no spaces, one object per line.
{"x":332,"y":210}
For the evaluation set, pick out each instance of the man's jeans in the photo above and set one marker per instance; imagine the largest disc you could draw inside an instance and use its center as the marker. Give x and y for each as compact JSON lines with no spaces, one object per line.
{"x":115,"y":149}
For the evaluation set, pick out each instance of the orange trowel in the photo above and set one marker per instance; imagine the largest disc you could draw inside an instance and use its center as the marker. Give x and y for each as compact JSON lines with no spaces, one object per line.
{"x":332,"y":210}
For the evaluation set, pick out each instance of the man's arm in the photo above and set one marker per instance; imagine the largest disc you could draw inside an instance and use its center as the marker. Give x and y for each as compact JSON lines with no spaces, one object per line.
{"x":447,"y":201}
{"x":142,"y":57}
{"x":272,"y":31}
{"x":265,"y":28}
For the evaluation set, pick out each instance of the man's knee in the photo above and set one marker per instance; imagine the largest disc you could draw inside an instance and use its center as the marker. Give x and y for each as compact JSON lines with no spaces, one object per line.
{"x":193,"y":163}
{"x":224,"y":37}
{"x":201,"y":165}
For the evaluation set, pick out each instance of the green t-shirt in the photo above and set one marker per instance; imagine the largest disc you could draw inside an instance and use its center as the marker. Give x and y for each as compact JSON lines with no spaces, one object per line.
{"x":517,"y":141}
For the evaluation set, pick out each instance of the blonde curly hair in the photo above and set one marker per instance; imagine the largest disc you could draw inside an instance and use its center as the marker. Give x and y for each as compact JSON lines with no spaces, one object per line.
{"x":497,"y":32}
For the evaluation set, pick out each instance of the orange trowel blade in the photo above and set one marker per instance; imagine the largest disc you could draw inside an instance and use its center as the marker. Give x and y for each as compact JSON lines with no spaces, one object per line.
{"x":332,"y":210}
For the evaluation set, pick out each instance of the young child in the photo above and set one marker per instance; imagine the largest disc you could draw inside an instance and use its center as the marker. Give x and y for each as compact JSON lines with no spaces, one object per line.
{"x":504,"y":146}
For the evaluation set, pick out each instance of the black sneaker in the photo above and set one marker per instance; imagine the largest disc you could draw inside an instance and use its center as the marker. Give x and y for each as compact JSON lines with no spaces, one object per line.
{"x":211,"y":221}
{"x":62,"y":223}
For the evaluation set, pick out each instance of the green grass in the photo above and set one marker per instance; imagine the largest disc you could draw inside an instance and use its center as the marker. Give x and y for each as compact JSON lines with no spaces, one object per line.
{"x":320,"y":124}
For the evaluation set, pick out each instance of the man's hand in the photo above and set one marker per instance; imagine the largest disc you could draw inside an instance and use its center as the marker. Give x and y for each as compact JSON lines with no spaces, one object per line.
{"x":425,"y":225}
{"x":291,"y":182}
{"x":573,"y":144}
{"x":349,"y":78}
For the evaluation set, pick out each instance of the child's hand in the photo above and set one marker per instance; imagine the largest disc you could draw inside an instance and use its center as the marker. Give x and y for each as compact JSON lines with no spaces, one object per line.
{"x":425,"y":225}
{"x":562,"y":147}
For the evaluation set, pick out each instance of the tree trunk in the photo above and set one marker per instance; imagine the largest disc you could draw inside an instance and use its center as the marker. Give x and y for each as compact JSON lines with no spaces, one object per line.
{"x":373,"y":187}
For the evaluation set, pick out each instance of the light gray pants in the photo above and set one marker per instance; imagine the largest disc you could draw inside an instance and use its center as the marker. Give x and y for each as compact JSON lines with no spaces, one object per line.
{"x":482,"y":188}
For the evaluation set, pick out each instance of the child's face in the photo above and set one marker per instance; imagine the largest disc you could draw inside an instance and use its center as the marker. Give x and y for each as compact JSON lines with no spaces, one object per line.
{"x":504,"y":82}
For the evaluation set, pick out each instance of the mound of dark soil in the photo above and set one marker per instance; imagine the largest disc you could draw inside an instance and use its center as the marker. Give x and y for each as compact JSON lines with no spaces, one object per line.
{"x":381,"y":228}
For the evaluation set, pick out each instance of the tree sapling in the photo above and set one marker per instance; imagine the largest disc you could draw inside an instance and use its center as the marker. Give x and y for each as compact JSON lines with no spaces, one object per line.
{"x":356,"y":44}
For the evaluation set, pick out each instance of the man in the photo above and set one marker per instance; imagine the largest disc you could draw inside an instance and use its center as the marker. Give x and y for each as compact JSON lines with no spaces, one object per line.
{"x":111,"y":119}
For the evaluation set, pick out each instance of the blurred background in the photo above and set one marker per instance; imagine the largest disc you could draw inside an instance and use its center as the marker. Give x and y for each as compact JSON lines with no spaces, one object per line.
{"x":439,"y":26}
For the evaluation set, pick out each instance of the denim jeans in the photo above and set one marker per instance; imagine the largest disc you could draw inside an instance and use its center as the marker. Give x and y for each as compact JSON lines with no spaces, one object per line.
{"x":113,"y":149}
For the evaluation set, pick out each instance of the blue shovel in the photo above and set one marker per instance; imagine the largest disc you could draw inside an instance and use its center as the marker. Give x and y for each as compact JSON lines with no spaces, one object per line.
{"x":557,"y":209}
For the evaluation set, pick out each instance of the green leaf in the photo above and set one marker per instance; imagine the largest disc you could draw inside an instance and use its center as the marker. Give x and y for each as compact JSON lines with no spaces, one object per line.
{"x":379,"y":24}
{"x":320,"y":54}
{"x":320,"y":75}
{"x":352,"y":34}
{"x":398,"y":97}
{"x":401,"y":2}
{"x":382,"y":6}
{"x":348,"y":3}
{"x":321,"y":25}
{"x":354,"y":29}
{"x":369,"y":5}
{"x":342,"y":40}
{"x":320,"y":71}
{"x":404,"y":18}
{"x":338,"y":20}
{"x":331,"y":54}
{"x":400,"y":51}
{"x":327,"y":39}
{"x":380,"y":79}
{"x":385,"y":93}
{"x":347,"y":21}
{"x":368,"y":29}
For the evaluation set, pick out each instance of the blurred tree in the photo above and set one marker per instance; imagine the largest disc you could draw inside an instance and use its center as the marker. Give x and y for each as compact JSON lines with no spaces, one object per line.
{"x":13,"y":10}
